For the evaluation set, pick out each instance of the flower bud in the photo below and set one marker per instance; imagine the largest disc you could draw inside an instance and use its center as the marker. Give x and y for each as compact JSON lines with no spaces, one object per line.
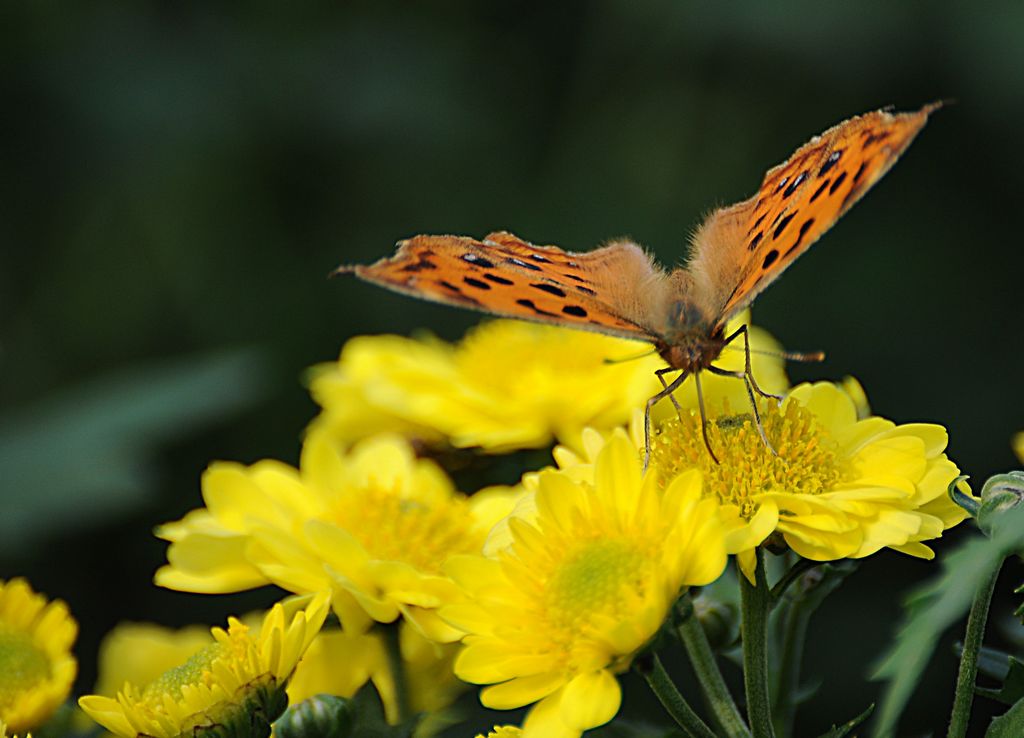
{"x":323,"y":716}
{"x":1001,"y":492}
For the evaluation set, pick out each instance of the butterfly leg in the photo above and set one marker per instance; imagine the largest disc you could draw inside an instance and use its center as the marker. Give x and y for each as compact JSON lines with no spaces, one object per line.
{"x":667,"y":392}
{"x":660,"y":374}
{"x":748,"y":383}
{"x":703,"y":417}
{"x":742,"y":330}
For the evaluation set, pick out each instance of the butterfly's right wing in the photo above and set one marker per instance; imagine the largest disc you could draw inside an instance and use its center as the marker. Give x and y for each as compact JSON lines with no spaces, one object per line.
{"x":741,"y":249}
{"x":610,"y":290}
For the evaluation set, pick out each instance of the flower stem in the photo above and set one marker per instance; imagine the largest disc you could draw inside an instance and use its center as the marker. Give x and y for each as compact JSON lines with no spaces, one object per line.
{"x":794,"y":632}
{"x":716,"y":694}
{"x":651,"y":668}
{"x":755,"y":604}
{"x":396,"y":665}
{"x":965,"y":680}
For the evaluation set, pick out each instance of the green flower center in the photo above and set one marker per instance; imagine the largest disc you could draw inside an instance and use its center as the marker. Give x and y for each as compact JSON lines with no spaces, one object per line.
{"x":193,"y":671}
{"x":23,"y":665}
{"x":808,"y":461}
{"x":595,"y":580}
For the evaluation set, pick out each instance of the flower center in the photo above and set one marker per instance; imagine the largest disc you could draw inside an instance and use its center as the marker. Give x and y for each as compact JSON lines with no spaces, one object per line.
{"x":808,"y":459}
{"x":23,"y":665}
{"x":597,"y":581}
{"x":191,"y":672}
{"x":392,"y":528}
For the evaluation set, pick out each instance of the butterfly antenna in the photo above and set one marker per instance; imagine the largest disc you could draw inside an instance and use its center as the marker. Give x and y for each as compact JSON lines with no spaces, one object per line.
{"x":624,"y":359}
{"x":803,"y":356}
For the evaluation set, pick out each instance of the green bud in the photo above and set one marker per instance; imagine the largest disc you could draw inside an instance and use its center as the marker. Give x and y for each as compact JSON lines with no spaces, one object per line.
{"x":720,"y":620}
{"x":1001,"y":492}
{"x":323,"y":716}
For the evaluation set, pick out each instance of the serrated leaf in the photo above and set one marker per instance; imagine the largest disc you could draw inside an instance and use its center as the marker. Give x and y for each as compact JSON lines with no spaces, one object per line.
{"x":935,"y":607}
{"x":1008,"y":725}
{"x":841,"y":731}
{"x":85,"y":452}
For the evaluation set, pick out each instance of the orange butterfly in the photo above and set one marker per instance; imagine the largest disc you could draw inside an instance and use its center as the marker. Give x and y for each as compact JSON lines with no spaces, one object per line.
{"x":618,"y":289}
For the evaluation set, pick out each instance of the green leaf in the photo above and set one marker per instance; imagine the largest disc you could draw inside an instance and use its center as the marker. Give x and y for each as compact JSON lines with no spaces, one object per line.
{"x":935,"y":607}
{"x":1008,"y":725}
{"x":85,"y":452}
{"x":1012,"y":688}
{"x":841,"y":731}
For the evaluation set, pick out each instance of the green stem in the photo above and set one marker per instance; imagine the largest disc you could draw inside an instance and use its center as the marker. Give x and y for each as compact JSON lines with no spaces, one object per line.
{"x":396,"y":665}
{"x":965,"y":680}
{"x":651,"y":668}
{"x":716,"y":694}
{"x":794,"y":634}
{"x":755,"y":604}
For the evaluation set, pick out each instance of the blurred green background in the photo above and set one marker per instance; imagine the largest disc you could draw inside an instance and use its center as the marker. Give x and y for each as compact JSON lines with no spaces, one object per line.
{"x":178,"y":180}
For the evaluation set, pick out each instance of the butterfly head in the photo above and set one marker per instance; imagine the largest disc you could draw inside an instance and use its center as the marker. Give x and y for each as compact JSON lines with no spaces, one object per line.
{"x":692,"y":352}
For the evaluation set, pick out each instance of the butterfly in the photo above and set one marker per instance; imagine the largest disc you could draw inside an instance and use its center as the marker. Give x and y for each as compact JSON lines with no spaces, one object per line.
{"x":619,"y":289}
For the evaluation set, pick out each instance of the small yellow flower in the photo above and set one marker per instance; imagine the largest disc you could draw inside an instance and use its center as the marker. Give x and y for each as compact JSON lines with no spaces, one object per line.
{"x":503,"y":731}
{"x":238,"y":679}
{"x":374,"y":525}
{"x":840,"y":487}
{"x":507,"y":385}
{"x":1018,"y":446}
{"x":37,"y":668}
{"x":583,"y":584}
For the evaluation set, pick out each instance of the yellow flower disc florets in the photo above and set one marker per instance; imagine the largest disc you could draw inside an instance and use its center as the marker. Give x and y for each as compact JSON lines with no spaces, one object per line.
{"x":393,"y":528}
{"x":807,"y":460}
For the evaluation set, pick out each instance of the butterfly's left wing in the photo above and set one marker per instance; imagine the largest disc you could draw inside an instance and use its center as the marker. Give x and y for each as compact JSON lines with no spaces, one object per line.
{"x":739,"y":250}
{"x":616,"y":289}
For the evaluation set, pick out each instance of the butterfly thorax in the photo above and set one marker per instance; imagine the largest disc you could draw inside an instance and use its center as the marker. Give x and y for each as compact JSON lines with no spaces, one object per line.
{"x":691,"y":352}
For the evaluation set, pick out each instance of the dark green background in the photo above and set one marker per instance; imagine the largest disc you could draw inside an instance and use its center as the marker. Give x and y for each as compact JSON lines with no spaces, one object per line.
{"x":177,"y":180}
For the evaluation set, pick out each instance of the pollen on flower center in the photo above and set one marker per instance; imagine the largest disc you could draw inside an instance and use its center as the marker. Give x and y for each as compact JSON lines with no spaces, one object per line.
{"x":597,"y":580}
{"x":393,"y":528}
{"x":808,"y":460}
{"x":22,"y":664}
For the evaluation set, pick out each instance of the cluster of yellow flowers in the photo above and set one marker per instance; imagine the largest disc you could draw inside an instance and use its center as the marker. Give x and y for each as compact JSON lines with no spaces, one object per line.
{"x":544,"y":591}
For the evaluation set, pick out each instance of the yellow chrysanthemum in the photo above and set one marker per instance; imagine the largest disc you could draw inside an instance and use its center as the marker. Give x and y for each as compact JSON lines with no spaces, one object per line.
{"x":839,"y":487}
{"x":37,"y":668}
{"x":503,"y":731}
{"x":508,"y":384}
{"x":1018,"y":446}
{"x":339,"y":663}
{"x":374,"y":525}
{"x":582,"y":586}
{"x":238,"y":680}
